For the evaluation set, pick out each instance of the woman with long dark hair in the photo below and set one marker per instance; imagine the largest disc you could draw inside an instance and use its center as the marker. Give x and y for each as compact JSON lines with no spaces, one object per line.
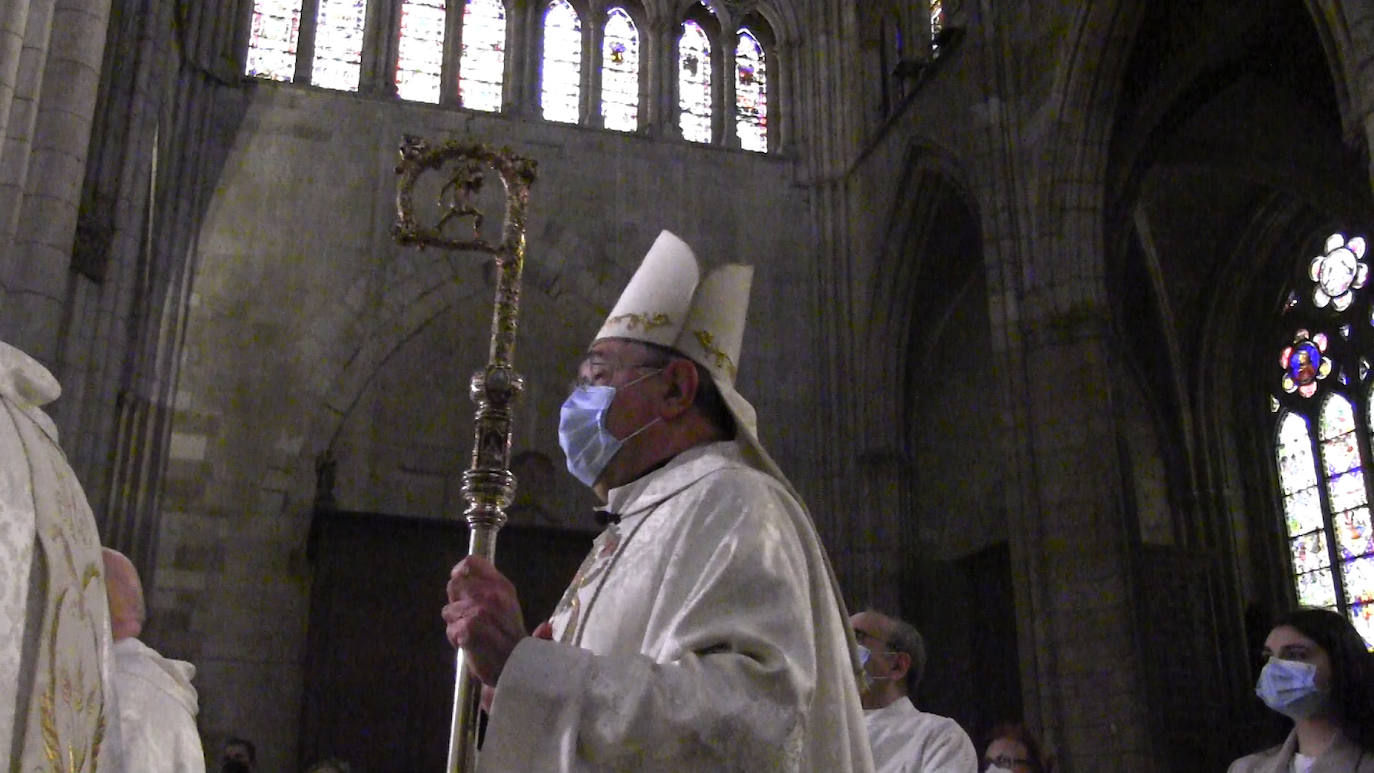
{"x":1320,"y":674}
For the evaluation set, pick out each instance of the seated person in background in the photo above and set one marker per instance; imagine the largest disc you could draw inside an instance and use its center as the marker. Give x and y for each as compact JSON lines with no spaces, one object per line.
{"x":1012,"y":749}
{"x":157,"y":704}
{"x":330,"y":765}
{"x":1320,"y":674}
{"x":903,"y":738}
{"x":239,"y":755}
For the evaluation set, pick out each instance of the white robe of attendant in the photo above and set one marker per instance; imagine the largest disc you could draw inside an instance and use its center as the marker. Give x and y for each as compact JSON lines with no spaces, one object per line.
{"x":56,"y":675}
{"x":702,"y":633}
{"x":157,"y":710}
{"x":907,"y":740}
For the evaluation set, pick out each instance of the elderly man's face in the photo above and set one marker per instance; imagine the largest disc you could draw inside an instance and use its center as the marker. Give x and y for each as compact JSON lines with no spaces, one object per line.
{"x":626,"y":366}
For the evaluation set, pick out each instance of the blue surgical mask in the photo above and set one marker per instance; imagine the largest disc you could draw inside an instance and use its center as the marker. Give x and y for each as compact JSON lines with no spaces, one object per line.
{"x":1290,"y":688}
{"x":864,"y":655}
{"x":582,"y":432}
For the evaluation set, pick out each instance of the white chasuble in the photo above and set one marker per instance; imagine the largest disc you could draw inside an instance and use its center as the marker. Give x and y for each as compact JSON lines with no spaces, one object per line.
{"x":56,"y":704}
{"x":701,"y":634}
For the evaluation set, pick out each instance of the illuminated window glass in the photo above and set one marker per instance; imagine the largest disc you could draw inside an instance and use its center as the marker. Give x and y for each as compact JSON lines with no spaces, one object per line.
{"x":1322,"y":483}
{"x":338,"y":44}
{"x":620,"y":72}
{"x":483,"y":64}
{"x":272,"y":39}
{"x":562,"y":71}
{"x":694,"y":83}
{"x":751,"y":93}
{"x":1303,"y":513}
{"x":419,"y":57}
{"x":937,"y":23}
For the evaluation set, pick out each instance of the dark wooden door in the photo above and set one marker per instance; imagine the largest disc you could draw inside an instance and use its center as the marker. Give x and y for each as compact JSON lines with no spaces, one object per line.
{"x":378,"y":671}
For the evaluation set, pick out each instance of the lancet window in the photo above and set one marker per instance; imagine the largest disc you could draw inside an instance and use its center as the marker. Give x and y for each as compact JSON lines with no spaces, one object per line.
{"x":620,"y":72}
{"x":937,"y":25}
{"x":482,"y":70}
{"x":420,"y":50}
{"x":751,"y":93}
{"x":1323,"y":403}
{"x":338,"y":44}
{"x":694,"y":82}
{"x":272,"y":39}
{"x":562,"y":71}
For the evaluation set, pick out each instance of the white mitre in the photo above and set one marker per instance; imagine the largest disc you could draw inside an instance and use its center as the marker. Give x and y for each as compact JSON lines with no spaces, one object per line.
{"x":665,"y":303}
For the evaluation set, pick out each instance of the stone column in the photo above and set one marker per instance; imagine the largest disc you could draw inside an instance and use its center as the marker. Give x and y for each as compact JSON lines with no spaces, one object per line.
{"x":662,"y":49}
{"x":723,"y":110}
{"x":782,"y":97}
{"x":593,"y":36}
{"x":524,"y":31}
{"x":44,"y":191}
{"x":14,"y":17}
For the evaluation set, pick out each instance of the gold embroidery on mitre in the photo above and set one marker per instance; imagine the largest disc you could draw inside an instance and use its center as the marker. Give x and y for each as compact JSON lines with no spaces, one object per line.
{"x":645,"y":320}
{"x":708,"y":344}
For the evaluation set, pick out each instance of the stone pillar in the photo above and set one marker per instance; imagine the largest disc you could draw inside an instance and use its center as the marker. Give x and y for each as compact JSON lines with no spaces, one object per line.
{"x":14,"y":17}
{"x":524,"y":31}
{"x":723,"y":110}
{"x":782,"y":110}
{"x":16,"y":143}
{"x":662,"y":49}
{"x":44,"y":170}
{"x":593,"y":35}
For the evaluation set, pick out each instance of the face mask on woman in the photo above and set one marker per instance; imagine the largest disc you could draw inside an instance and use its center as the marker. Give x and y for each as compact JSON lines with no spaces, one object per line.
{"x":1290,"y":688}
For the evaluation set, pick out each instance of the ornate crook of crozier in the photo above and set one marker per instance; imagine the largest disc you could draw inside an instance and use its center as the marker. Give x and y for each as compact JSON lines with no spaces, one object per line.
{"x":488,"y":485}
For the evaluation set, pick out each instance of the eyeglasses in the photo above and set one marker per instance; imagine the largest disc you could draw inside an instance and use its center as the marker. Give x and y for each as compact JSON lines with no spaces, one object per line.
{"x":1005,"y":761}
{"x":597,"y":369}
{"x":860,"y":633}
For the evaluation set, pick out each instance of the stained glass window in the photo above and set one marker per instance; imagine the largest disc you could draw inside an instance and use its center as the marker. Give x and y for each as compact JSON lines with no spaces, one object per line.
{"x":694,"y":82}
{"x":272,"y":39}
{"x":1322,"y":481}
{"x":483,"y":63}
{"x":1303,"y":513}
{"x":937,"y":24}
{"x":751,"y":93}
{"x":420,"y":54}
{"x":562,"y":71}
{"x":620,"y":72}
{"x":338,"y":44}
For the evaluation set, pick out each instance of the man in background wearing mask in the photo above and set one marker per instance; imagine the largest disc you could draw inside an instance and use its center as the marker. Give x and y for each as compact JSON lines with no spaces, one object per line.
{"x":904,"y":739}
{"x":704,"y":631}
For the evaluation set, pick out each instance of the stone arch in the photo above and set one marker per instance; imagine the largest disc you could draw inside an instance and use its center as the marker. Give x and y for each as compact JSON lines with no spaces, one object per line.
{"x":568,"y":272}
{"x":1346,"y":31}
{"x":932,"y":187}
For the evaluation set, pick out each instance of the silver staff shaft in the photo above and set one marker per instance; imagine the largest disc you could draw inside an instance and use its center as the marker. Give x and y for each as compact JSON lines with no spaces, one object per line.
{"x":488,"y":485}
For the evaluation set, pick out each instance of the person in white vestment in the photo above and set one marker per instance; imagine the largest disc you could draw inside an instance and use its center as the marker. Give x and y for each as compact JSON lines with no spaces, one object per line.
{"x":904,"y":739}
{"x":1319,"y":673}
{"x":56,"y":694}
{"x":705,"y":630}
{"x":157,"y":704}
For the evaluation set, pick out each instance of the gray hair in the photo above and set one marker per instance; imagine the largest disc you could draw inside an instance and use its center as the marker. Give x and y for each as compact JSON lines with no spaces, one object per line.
{"x":905,"y":638}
